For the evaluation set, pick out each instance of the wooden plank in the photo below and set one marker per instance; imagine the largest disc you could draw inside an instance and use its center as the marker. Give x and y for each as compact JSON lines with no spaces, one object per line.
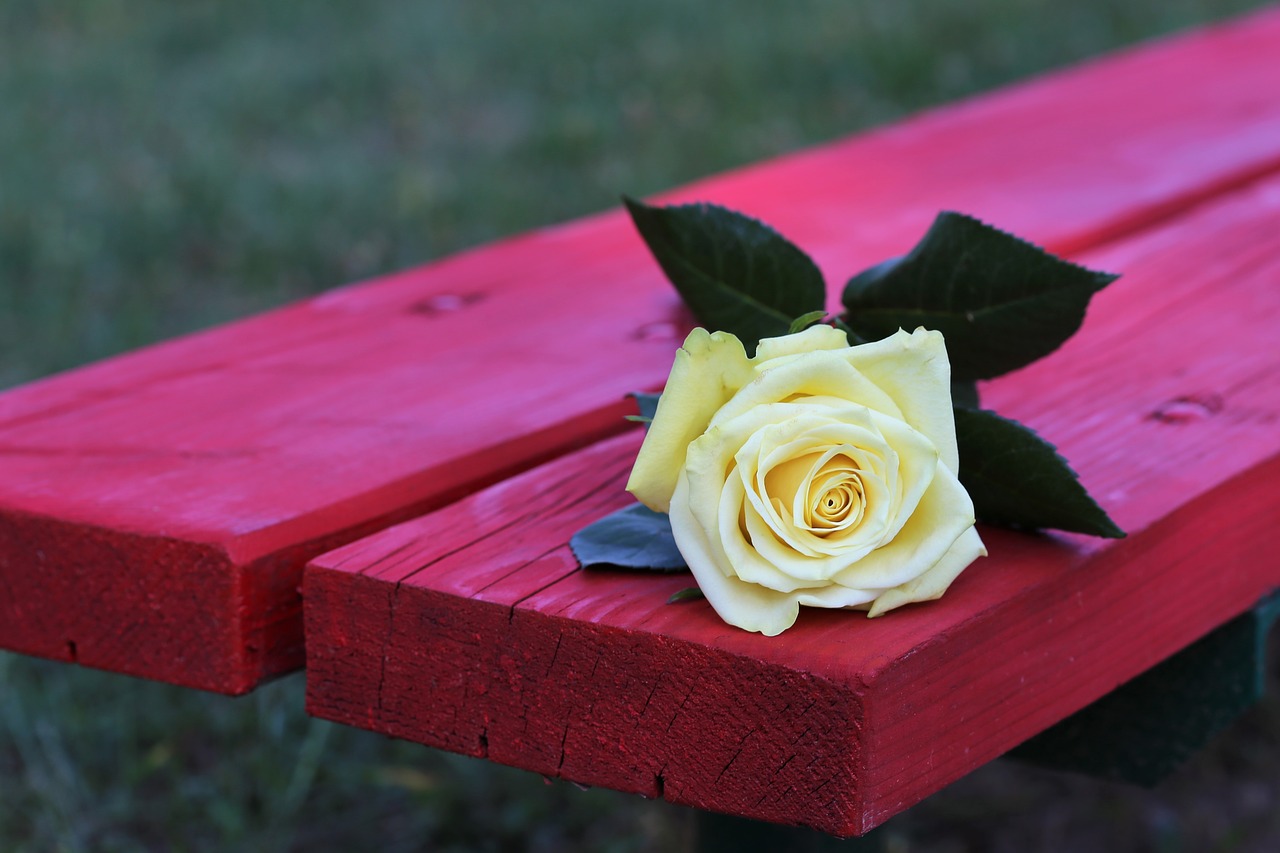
{"x":471,"y":630}
{"x":156,"y":509}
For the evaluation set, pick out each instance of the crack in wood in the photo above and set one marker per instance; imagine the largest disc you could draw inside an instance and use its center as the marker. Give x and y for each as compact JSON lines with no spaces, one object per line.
{"x":511,"y":610}
{"x":517,"y":569}
{"x":609,"y":481}
{"x":459,"y":549}
{"x":392,"y":601}
{"x":380,"y":561}
{"x":564,"y":739}
{"x":676,"y":715}
{"x":555,"y":653}
{"x":657,"y":682}
{"x":742,"y":744}
{"x":534,"y":514}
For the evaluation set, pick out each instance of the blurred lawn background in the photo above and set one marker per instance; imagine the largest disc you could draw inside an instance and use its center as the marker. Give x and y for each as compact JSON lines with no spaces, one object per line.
{"x":164,"y":167}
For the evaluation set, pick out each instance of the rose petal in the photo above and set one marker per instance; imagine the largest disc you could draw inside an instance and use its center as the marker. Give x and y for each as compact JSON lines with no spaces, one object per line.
{"x":825,"y":373}
{"x":788,"y":569}
{"x":913,"y":369}
{"x":836,"y":596}
{"x":762,"y":559}
{"x":807,"y":431}
{"x":708,"y":467}
{"x":710,"y":457}
{"x":744,"y":458}
{"x":933,"y":583}
{"x":835,"y":495}
{"x":773,"y":449}
{"x":707,"y":371}
{"x":943,"y":514}
{"x":812,"y":339}
{"x":917,"y":459}
{"x":744,"y":605}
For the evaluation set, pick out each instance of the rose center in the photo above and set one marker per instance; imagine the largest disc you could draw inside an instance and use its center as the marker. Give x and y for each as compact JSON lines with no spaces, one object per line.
{"x":829,"y":492}
{"x":835,"y":504}
{"x":836,"y":497}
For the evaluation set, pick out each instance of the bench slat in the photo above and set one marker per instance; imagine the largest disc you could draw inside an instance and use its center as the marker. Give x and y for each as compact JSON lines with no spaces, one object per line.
{"x":156,"y":509}
{"x":470,"y":629}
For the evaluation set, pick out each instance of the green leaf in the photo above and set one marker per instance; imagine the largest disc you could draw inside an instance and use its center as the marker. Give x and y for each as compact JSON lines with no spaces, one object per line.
{"x":689,"y":593}
{"x":736,"y":274}
{"x":850,"y":334}
{"x":804,"y":321}
{"x":648,"y":404}
{"x":964,"y":395}
{"x":1017,"y":479}
{"x":1000,"y":302}
{"x":632,"y":538}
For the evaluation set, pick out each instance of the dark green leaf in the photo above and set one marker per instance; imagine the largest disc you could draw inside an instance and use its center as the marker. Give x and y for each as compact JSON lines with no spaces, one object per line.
{"x":1017,"y":479}
{"x":964,"y":395}
{"x":632,"y":538}
{"x":1000,"y":302}
{"x":648,"y":404}
{"x":736,"y":274}
{"x":854,"y":340}
{"x":690,"y":593}
{"x":804,"y":321}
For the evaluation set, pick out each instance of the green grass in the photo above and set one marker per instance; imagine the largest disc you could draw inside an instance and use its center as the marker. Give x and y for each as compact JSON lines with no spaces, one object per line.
{"x":97,"y":762}
{"x":166,"y":166}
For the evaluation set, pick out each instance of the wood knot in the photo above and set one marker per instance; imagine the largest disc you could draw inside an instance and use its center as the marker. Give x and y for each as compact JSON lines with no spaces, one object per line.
{"x":445,"y":303}
{"x":660,"y":331}
{"x":1193,"y":407}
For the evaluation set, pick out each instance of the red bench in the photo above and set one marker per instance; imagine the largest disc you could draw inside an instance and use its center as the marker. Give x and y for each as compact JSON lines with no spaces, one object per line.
{"x":156,"y":510}
{"x":472,"y":629}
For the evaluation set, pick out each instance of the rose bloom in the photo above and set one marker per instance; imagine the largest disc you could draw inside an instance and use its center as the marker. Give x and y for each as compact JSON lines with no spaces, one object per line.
{"x":815,"y":473}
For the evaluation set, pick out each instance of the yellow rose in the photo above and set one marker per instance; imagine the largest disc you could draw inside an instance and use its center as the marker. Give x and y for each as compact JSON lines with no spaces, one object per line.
{"x":815,"y":473}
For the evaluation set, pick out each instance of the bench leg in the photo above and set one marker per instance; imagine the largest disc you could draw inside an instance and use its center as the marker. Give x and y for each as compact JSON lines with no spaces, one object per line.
{"x":1143,"y":730}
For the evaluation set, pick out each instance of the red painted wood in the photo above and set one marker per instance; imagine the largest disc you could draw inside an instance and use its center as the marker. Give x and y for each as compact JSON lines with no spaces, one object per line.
{"x":470,"y":629}
{"x":155,"y":509}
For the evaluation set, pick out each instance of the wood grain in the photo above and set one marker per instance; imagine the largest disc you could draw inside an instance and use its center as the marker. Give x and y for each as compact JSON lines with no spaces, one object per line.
{"x":156,"y":509}
{"x":471,"y":629}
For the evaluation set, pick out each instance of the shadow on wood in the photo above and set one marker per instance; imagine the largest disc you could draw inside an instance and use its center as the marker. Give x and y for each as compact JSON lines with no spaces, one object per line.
{"x":1145,"y":729}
